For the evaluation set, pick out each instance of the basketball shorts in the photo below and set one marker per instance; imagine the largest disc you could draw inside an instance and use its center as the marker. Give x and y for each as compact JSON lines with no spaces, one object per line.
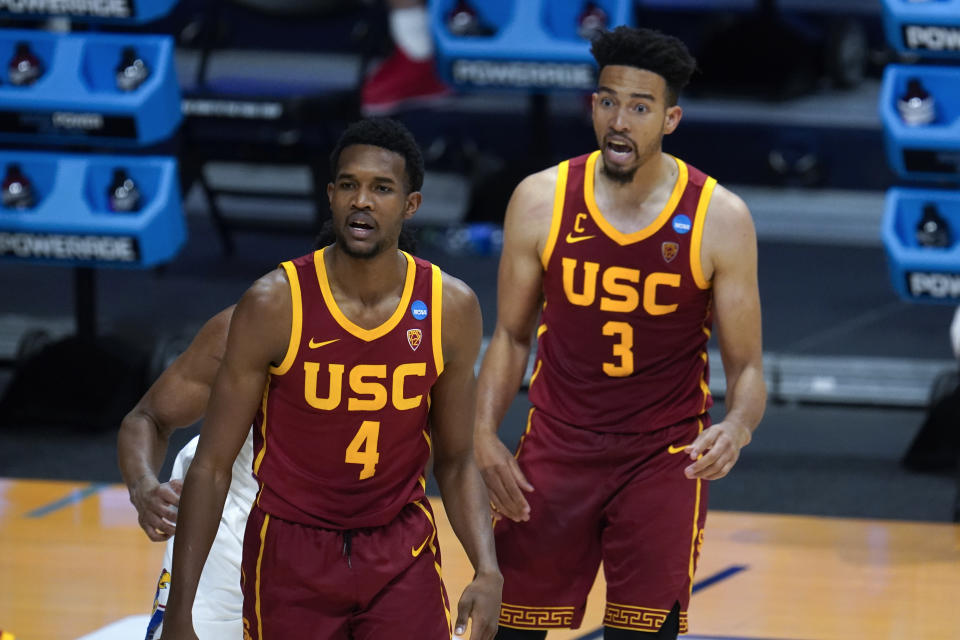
{"x":622,"y":499}
{"x":361,"y":584}
{"x":218,"y":606}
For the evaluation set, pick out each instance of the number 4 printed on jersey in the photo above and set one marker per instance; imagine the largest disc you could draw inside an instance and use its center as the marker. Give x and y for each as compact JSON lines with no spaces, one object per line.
{"x":363,"y":448}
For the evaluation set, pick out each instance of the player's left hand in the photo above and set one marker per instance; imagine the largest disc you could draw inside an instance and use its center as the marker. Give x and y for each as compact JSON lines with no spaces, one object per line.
{"x":716,"y":450}
{"x":480,"y":603}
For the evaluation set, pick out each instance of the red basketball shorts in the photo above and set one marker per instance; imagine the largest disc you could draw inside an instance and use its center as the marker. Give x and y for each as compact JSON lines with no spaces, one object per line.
{"x":621,"y":499}
{"x":365,"y":584}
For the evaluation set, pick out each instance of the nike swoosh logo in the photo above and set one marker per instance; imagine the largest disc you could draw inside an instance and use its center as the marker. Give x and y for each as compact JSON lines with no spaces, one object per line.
{"x":572,"y":238}
{"x":675,"y":449}
{"x":317,"y":345}
{"x":416,"y":552}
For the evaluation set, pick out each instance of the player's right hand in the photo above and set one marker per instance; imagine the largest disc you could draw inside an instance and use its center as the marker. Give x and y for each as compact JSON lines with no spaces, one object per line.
{"x":503,"y":477}
{"x":156,"y":506}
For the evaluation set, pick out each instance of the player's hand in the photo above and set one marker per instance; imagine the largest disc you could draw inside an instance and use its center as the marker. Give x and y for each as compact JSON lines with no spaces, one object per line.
{"x":503,"y":477}
{"x":480,"y":603}
{"x":716,"y":450}
{"x":156,"y":506}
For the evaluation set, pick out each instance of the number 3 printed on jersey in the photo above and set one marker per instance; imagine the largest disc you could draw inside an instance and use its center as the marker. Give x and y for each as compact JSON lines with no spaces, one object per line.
{"x":623,"y":350}
{"x":363,"y":448}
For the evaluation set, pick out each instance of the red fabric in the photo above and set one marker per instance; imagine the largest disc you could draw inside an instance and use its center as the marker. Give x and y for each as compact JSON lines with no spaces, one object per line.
{"x":301,"y":582}
{"x":303,"y":472}
{"x":622,"y":498}
{"x":668,"y":351}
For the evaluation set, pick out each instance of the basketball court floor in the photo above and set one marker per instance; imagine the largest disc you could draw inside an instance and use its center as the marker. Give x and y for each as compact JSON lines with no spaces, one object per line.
{"x":76,"y":565}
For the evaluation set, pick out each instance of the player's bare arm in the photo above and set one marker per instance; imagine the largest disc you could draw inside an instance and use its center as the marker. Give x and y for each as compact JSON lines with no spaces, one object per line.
{"x":461,"y":487}
{"x":519,"y":296}
{"x":730,"y":254}
{"x":259,"y":335}
{"x":177,"y":399}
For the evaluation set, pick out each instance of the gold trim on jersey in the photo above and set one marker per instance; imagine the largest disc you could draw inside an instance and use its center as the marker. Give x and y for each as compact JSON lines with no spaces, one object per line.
{"x":432,"y":545}
{"x":296,"y":325}
{"x":436,"y":308}
{"x":263,"y":537}
{"x":367,"y":335}
{"x":518,"y":616}
{"x":661,"y":219}
{"x":696,"y":237}
{"x":559,"y":196}
{"x":696,"y":520}
{"x":263,"y":430}
{"x":623,"y":616}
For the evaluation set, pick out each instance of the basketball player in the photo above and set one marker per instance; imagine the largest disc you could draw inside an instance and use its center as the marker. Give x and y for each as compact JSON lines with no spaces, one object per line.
{"x":631,"y":253}
{"x":176,"y":400}
{"x":325,"y":352}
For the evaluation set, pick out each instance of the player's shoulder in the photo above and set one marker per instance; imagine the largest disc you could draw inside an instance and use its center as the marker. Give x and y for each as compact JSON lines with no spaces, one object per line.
{"x":539,"y":185}
{"x":458,"y":297}
{"x":728,"y":227}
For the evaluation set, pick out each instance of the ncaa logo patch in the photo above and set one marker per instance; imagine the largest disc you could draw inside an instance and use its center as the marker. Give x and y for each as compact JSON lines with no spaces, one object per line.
{"x":419,"y":310}
{"x":681,"y":224}
{"x":669,"y":250}
{"x":414,"y":337}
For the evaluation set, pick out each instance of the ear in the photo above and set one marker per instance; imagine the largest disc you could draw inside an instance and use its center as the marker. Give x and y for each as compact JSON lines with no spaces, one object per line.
{"x":330,"y":192}
{"x":672,"y":119}
{"x":414,"y":198}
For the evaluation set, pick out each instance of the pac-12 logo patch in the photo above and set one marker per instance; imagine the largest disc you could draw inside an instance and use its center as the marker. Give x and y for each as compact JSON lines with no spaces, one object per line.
{"x":414,"y":337}
{"x":681,"y":224}
{"x":419,"y":310}
{"x":669,"y":250}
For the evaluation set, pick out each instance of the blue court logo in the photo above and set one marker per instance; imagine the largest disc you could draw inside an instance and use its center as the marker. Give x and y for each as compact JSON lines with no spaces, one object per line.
{"x":418,"y":309}
{"x":681,"y":224}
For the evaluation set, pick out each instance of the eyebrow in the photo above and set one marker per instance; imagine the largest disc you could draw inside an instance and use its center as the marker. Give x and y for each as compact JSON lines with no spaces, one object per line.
{"x":351,"y":176}
{"x":645,"y":96}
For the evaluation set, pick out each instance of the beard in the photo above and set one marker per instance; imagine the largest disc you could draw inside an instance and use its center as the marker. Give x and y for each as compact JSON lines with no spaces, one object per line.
{"x":618,"y":175}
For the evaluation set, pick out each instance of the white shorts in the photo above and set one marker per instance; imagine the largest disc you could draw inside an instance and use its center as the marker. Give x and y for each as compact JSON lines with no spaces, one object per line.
{"x":218,"y":606}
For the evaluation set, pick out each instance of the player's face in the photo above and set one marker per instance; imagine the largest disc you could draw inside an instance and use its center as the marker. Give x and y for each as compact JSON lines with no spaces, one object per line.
{"x":630,"y":118}
{"x":369,"y":200}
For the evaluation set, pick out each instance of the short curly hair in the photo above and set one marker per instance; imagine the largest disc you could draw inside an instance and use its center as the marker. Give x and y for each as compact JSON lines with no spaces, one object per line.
{"x":387,"y":134}
{"x":663,"y":54}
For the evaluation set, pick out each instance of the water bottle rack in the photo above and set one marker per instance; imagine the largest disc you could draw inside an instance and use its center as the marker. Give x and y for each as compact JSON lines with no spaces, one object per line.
{"x":923,"y":153}
{"x":107,"y":11}
{"x":930,"y":29}
{"x":922,"y":274}
{"x":76,"y":100}
{"x":71,"y":223}
{"x":534,"y":45}
{"x":930,"y":151}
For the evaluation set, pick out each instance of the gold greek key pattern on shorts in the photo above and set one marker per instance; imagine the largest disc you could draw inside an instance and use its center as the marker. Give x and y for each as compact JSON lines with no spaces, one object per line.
{"x":638,"y":618}
{"x":512,"y":615}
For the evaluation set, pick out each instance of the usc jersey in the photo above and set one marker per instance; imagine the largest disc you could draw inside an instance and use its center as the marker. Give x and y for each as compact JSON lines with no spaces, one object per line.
{"x":341,"y":437}
{"x":622,"y":344}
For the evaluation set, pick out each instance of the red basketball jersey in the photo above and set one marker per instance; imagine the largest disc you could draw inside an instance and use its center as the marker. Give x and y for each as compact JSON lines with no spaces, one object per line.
{"x":342,"y":436}
{"x":622,"y":344}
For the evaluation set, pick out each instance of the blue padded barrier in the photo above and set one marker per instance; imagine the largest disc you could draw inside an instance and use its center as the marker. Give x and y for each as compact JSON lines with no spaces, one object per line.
{"x":104,"y":11}
{"x":924,"y":152}
{"x":922,"y":274}
{"x":70,"y":222}
{"x":76,"y":100}
{"x":930,"y":29}
{"x":534,"y":45}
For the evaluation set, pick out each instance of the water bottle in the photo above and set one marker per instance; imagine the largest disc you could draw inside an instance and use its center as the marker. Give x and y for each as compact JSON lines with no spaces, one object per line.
{"x":123,"y":196}
{"x":17,"y":189}
{"x":132,"y":70}
{"x":932,"y":230}
{"x":916,"y":106}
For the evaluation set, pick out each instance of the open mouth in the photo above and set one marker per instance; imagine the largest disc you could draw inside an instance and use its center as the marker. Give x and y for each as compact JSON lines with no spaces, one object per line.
{"x":619,"y":149}
{"x":360,"y":225}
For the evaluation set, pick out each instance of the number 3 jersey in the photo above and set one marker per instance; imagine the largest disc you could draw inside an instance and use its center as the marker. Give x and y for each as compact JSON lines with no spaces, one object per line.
{"x":622,"y":344}
{"x":342,"y":436}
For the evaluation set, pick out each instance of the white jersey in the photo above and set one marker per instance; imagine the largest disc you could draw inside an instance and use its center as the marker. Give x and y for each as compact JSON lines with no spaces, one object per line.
{"x":218,"y":607}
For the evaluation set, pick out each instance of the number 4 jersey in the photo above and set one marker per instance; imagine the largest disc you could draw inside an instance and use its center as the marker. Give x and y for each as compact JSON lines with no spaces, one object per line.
{"x":622,"y":344}
{"x":342,"y":436}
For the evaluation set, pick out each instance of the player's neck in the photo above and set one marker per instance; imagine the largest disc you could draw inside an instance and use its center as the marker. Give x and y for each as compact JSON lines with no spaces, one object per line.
{"x":365,"y":281}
